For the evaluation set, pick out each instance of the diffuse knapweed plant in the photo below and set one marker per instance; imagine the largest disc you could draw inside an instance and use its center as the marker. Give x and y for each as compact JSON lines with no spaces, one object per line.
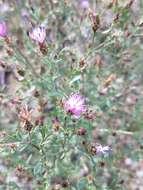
{"x":65,"y":92}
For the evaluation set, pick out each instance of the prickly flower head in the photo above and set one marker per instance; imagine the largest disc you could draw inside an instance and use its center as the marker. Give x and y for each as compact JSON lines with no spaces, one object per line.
{"x":75,"y":105}
{"x":38,"y":34}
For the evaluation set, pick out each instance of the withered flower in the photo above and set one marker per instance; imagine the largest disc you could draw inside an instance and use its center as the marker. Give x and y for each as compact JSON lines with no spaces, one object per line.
{"x":25,"y":116}
{"x":109,"y":80}
{"x":95,"y":21}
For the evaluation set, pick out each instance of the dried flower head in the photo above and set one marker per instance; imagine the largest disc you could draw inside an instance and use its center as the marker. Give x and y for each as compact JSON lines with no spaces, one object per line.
{"x":95,"y":21}
{"x":56,"y":124}
{"x":38,"y":34}
{"x":81,"y":131}
{"x":3,"y":29}
{"x":75,"y":105}
{"x":43,"y":49}
{"x":110,"y":79}
{"x":25,"y":116}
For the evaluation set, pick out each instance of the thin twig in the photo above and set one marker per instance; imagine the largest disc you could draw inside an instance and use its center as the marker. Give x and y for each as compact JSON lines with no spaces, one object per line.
{"x":116,"y":131}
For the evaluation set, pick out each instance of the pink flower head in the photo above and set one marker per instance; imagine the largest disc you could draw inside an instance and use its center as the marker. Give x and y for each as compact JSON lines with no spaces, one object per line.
{"x":85,"y":4}
{"x":38,"y":34}
{"x":75,"y":104}
{"x":102,"y":150}
{"x":3,"y":29}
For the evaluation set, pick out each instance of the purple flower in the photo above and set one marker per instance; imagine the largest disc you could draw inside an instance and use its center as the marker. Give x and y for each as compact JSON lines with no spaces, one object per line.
{"x":38,"y":34}
{"x":85,"y":4}
{"x":75,"y":104}
{"x":3,"y":29}
{"x":102,"y":150}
